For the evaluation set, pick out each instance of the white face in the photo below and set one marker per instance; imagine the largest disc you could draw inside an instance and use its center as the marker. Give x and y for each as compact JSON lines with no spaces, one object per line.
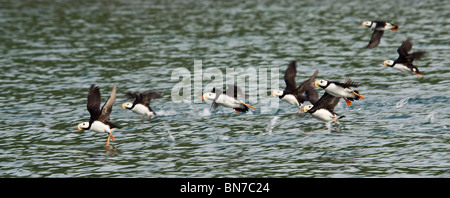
{"x":83,"y":125}
{"x":322,"y":83}
{"x":388,"y":62}
{"x":307,"y":108}
{"x":127,"y":105}
{"x":277,"y":93}
{"x":209,"y":96}
{"x":366,"y":23}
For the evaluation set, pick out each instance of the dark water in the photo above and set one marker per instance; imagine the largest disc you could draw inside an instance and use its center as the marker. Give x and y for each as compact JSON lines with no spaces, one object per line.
{"x":52,"y":51}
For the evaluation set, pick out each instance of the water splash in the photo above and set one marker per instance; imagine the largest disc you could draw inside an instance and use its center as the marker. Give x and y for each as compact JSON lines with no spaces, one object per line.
{"x":206,"y":112}
{"x":220,"y":138}
{"x":332,"y":127}
{"x":166,"y":113}
{"x":271,"y":125}
{"x":169,"y":139}
{"x":402,"y":102}
{"x":431,"y":118}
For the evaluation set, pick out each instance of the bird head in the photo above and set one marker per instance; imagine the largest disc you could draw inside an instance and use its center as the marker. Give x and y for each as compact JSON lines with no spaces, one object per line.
{"x":388,"y":63}
{"x":127,"y":105}
{"x":320,"y":83}
{"x":366,"y":23}
{"x":277,"y":93}
{"x":208,"y":96}
{"x":307,"y":108}
{"x":83,"y":125}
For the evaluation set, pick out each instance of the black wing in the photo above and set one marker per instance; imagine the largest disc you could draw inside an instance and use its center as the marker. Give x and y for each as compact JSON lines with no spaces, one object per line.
{"x":234,"y":91}
{"x":327,"y":101}
{"x":307,"y":88}
{"x":107,"y":107}
{"x":214,"y":105}
{"x":404,"y":49}
{"x":214,"y":90}
{"x":404,"y":56}
{"x":417,"y":55}
{"x":93,"y":103}
{"x":349,"y":83}
{"x":312,"y":95}
{"x":375,"y":39}
{"x":147,"y":96}
{"x":217,"y":91}
{"x":289,"y":77}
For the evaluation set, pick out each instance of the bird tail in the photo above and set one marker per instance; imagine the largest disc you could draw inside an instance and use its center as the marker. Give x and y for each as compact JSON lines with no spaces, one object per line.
{"x":244,"y":108}
{"x":241,"y":110}
{"x":248,"y":105}
{"x":394,"y":27}
{"x":340,"y":116}
{"x":418,"y":54}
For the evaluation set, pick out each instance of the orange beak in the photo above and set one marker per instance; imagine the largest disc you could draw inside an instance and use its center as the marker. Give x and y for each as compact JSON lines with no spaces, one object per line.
{"x":79,"y":127}
{"x":316,"y":83}
{"x":204,"y":97}
{"x":304,"y":109}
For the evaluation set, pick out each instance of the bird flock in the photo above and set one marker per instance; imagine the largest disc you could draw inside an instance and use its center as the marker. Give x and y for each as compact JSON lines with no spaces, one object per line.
{"x":320,"y":108}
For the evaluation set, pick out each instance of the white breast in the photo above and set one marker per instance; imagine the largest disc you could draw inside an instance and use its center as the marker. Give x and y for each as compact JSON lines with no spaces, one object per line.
{"x":291,"y":99}
{"x":323,"y":115}
{"x":401,"y":67}
{"x":338,"y":91}
{"x":98,"y":126}
{"x":141,"y":109}
{"x":228,"y":101}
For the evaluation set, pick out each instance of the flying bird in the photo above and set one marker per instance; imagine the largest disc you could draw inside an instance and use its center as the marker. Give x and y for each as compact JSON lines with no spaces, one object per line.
{"x":297,"y":95}
{"x":378,"y":28}
{"x":404,"y":62}
{"x":99,"y":121}
{"x":324,"y":108}
{"x":141,"y":104}
{"x":339,"y":89}
{"x":228,"y":98}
